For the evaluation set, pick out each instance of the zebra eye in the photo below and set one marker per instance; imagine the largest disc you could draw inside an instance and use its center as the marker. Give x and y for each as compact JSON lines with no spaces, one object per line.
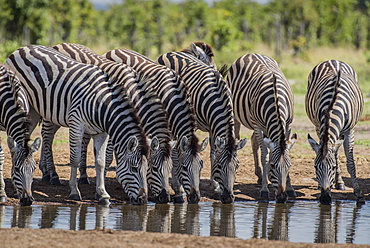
{"x":134,"y":169}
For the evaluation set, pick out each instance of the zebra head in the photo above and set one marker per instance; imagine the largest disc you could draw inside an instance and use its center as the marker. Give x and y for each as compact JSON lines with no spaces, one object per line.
{"x":325,"y":165}
{"x":224,"y":165}
{"x":132,"y":167}
{"x":188,"y":165}
{"x":23,"y":167}
{"x":279,"y":164}
{"x":159,"y":170}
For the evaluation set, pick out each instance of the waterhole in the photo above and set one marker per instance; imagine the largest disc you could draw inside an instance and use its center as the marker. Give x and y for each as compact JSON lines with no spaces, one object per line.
{"x":299,"y":221}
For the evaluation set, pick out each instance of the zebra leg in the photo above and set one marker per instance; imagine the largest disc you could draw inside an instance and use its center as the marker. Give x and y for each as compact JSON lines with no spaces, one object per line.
{"x":351,"y":167}
{"x":109,"y":155}
{"x":100,"y":146}
{"x":264,"y":192}
{"x":75,"y":143}
{"x":84,"y":179}
{"x":339,"y":184}
{"x":2,"y":182}
{"x":237,"y":126}
{"x":257,"y":158}
{"x":47,"y":165}
{"x":289,"y":189}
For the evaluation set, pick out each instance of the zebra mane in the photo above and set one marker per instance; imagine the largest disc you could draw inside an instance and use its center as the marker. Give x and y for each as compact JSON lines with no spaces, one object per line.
{"x":201,"y":51}
{"x":281,"y":125}
{"x":224,"y":70}
{"x":325,"y":133}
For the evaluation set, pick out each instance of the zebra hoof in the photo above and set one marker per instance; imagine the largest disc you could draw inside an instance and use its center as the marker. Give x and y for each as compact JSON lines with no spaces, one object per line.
{"x":46,"y":178}
{"x":83,"y":180}
{"x":340,"y":186}
{"x":104,"y":202}
{"x":360,"y":200}
{"x":291,"y":193}
{"x":178,"y":199}
{"x":2,"y":198}
{"x":55,"y":181}
{"x":259,"y":181}
{"x":217,"y":196}
{"x":264,"y":194}
{"x":75,"y":197}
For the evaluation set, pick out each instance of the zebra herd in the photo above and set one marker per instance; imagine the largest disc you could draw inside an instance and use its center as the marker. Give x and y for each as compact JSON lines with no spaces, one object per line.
{"x":146,"y":113}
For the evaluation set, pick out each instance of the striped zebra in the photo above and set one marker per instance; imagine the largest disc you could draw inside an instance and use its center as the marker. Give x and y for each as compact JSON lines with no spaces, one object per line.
{"x":187,"y":162}
{"x":149,"y":109}
{"x":334,"y":104}
{"x":82,"y":98}
{"x":201,"y":51}
{"x":13,"y":119}
{"x":263,"y":102}
{"x":211,"y":100}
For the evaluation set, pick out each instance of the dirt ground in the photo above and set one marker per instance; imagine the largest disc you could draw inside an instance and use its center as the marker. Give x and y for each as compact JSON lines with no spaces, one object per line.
{"x":246,"y":189}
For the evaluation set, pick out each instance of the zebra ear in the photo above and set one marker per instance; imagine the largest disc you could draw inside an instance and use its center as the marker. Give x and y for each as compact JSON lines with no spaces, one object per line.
{"x":132,"y":144}
{"x":220,"y":142}
{"x":154,"y":145}
{"x":337,"y":145}
{"x":173,"y":143}
{"x":269,"y":143}
{"x":35,"y":145}
{"x":204,"y":144}
{"x":184,"y":143}
{"x":313,"y":144}
{"x":292,"y":141}
{"x":241,"y":143}
{"x":11,"y":144}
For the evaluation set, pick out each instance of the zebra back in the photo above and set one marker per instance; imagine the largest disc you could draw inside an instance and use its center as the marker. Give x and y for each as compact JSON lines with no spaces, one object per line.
{"x":169,"y":87}
{"x":262,"y":96}
{"x":149,"y":108}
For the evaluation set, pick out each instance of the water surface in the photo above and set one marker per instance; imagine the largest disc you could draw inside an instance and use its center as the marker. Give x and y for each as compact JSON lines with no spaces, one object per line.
{"x":299,"y":221}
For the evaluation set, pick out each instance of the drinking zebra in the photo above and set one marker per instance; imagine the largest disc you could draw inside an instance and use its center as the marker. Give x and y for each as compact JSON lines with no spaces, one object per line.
{"x":211,"y":100}
{"x":13,"y":119}
{"x":82,"y":98}
{"x":334,"y":104}
{"x":172,"y":92}
{"x":149,"y":109}
{"x":263,"y":102}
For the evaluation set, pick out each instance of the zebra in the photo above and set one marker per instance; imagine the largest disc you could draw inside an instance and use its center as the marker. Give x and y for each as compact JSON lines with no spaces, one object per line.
{"x":149,"y":109}
{"x":187,"y":162}
{"x":82,"y":98}
{"x":263,"y":102}
{"x":14,"y":120}
{"x":334,"y":104}
{"x":201,"y":51}
{"x":211,"y":100}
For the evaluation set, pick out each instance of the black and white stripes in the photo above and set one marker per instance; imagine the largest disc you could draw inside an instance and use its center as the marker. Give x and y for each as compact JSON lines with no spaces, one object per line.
{"x":263,"y":102}
{"x":14,"y":109}
{"x":334,"y":104}
{"x":82,"y":98}
{"x":212,"y":104}
{"x":172,"y":92}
